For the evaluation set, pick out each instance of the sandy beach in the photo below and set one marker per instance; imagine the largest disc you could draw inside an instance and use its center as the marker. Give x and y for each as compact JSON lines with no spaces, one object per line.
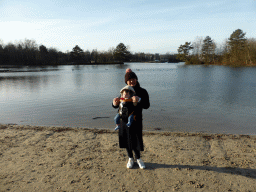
{"x":34,"y":158}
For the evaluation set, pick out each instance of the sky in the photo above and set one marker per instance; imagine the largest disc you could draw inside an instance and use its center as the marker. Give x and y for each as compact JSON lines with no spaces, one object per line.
{"x":149,"y":26}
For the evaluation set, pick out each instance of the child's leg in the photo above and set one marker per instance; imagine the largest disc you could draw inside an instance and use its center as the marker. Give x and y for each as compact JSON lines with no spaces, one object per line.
{"x":117,"y":118}
{"x":130,"y":120}
{"x":117,"y":121}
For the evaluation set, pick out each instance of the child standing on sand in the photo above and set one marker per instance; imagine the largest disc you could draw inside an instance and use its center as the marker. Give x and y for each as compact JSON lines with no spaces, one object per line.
{"x":126,"y":106}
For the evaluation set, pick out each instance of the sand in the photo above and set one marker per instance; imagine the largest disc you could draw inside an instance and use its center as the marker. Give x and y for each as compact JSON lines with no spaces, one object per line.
{"x":34,"y":158}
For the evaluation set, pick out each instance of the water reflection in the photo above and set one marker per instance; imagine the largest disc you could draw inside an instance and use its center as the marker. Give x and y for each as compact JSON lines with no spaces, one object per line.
{"x":21,"y":82}
{"x":183,"y":98}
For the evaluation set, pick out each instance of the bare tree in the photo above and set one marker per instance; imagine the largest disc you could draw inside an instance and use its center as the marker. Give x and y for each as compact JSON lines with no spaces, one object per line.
{"x":251,"y":51}
{"x":197,"y":44}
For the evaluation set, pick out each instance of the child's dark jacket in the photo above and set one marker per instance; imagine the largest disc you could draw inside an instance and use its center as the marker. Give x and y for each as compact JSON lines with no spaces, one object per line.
{"x":129,"y":105}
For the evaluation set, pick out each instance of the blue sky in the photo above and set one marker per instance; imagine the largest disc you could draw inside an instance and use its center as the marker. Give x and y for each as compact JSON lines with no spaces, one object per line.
{"x":150,"y":26}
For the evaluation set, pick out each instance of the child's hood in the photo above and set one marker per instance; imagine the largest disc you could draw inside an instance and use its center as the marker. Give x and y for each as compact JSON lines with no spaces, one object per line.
{"x":127,"y":87}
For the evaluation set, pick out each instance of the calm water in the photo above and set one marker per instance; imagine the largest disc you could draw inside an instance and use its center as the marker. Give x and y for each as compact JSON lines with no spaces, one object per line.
{"x":211,"y":99}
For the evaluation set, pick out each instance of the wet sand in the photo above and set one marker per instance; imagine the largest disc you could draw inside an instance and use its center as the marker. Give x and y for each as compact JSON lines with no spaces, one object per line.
{"x":34,"y":158}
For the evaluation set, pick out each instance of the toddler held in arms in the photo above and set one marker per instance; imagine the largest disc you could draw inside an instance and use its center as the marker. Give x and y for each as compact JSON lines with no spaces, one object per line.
{"x":126,"y":106}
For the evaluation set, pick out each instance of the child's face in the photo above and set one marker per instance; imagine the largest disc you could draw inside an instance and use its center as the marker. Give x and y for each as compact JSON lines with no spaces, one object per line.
{"x":126,"y":94}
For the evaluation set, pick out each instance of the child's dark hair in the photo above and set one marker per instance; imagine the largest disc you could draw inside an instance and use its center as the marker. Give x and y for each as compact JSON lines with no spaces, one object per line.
{"x":128,"y":91}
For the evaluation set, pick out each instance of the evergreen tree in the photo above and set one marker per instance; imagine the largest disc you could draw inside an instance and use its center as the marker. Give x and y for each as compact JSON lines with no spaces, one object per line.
{"x":76,"y":53}
{"x":236,"y":46}
{"x":87,"y":56}
{"x":53,"y":56}
{"x":208,"y":50}
{"x":121,"y":53}
{"x":183,"y":51}
{"x":43,"y":55}
{"x":1,"y":54}
{"x":237,"y":39}
{"x":94,"y":56}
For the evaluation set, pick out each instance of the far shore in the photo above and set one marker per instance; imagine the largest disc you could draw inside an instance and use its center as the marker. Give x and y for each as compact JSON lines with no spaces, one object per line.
{"x":41,"y":158}
{"x":52,"y":65}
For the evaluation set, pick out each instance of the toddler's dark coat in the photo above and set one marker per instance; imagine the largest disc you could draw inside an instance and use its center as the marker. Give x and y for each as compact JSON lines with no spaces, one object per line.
{"x":129,"y":106}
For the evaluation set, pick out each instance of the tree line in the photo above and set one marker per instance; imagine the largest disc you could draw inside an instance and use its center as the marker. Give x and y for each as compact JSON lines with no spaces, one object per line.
{"x":27,"y":52}
{"x":237,"y":50}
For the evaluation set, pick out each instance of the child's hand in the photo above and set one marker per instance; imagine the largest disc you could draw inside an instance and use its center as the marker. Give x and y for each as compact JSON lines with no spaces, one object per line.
{"x":116,"y":101}
{"x":135,"y":99}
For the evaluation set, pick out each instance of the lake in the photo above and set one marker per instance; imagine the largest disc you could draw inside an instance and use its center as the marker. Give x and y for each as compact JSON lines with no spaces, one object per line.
{"x":210,"y":99}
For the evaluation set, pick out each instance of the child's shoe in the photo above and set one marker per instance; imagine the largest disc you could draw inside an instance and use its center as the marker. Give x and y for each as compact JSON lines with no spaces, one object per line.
{"x":130,"y":163}
{"x":128,"y":124}
{"x":118,"y":127}
{"x":141,"y":164}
